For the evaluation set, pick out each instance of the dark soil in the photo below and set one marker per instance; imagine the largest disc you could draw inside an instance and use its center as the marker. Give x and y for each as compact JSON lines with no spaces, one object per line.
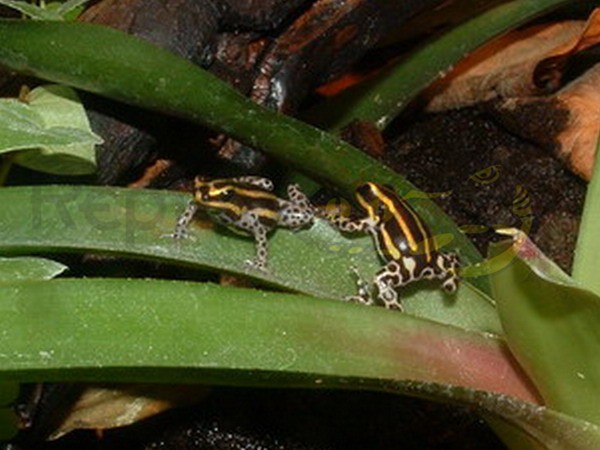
{"x":298,"y":420}
{"x":490,"y":178}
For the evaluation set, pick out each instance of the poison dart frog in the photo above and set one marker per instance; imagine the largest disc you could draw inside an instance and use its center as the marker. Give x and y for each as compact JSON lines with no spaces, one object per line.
{"x":403,"y":241}
{"x":247,"y":204}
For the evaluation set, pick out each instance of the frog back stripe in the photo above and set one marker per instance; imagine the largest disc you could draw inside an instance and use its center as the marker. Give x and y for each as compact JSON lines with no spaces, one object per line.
{"x":405,"y":217}
{"x":254,"y":193}
{"x":235,"y":210}
{"x":421,"y":239}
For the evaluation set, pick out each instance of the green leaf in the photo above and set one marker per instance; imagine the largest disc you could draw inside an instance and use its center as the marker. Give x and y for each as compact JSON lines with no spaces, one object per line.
{"x":134,"y":222}
{"x":158,"y":330}
{"x":55,"y":123}
{"x":552,"y":325}
{"x":59,"y":107}
{"x":521,"y":425}
{"x":29,"y":268}
{"x":131,"y":70}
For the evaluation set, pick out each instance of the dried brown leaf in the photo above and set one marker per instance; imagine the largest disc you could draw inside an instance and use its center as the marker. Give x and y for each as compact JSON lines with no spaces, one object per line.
{"x":110,"y":406}
{"x":522,"y":63}
{"x":577,"y":142}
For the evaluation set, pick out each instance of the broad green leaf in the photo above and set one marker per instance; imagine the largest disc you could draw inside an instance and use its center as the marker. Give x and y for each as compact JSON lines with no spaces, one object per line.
{"x":133,"y":71}
{"x":136,"y":222}
{"x":55,"y":123}
{"x":522,"y":425}
{"x":21,"y":127}
{"x":29,"y":268}
{"x":160,"y":331}
{"x":59,"y":107}
{"x":552,"y":325}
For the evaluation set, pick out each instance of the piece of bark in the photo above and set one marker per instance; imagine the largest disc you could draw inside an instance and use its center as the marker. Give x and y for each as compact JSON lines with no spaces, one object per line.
{"x":326,"y":40}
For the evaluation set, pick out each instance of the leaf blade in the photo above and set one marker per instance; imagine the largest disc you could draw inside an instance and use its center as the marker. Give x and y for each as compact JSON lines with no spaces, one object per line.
{"x":100,"y":329}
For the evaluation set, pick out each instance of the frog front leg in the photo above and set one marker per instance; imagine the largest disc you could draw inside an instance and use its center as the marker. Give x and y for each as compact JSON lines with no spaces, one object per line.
{"x":363,"y":291}
{"x":298,"y":197}
{"x":260,"y":239}
{"x":386,"y":281}
{"x":183,"y":222}
{"x":345,"y":223}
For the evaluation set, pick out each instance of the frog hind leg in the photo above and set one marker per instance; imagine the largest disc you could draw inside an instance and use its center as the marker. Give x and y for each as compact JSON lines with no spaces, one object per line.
{"x":444,"y":267}
{"x":387,"y":280}
{"x":448,"y":263}
{"x":260,"y":239}
{"x":298,"y":197}
{"x":260,"y":182}
{"x":250,"y":222}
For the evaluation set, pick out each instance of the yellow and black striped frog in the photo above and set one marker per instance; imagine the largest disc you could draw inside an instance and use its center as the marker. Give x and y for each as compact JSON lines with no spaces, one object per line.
{"x":403,"y":241}
{"x":248,"y":205}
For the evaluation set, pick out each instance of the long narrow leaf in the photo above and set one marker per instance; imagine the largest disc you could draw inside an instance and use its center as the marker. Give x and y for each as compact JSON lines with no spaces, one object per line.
{"x":134,"y":330}
{"x":157,"y":331}
{"x":11,"y":270}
